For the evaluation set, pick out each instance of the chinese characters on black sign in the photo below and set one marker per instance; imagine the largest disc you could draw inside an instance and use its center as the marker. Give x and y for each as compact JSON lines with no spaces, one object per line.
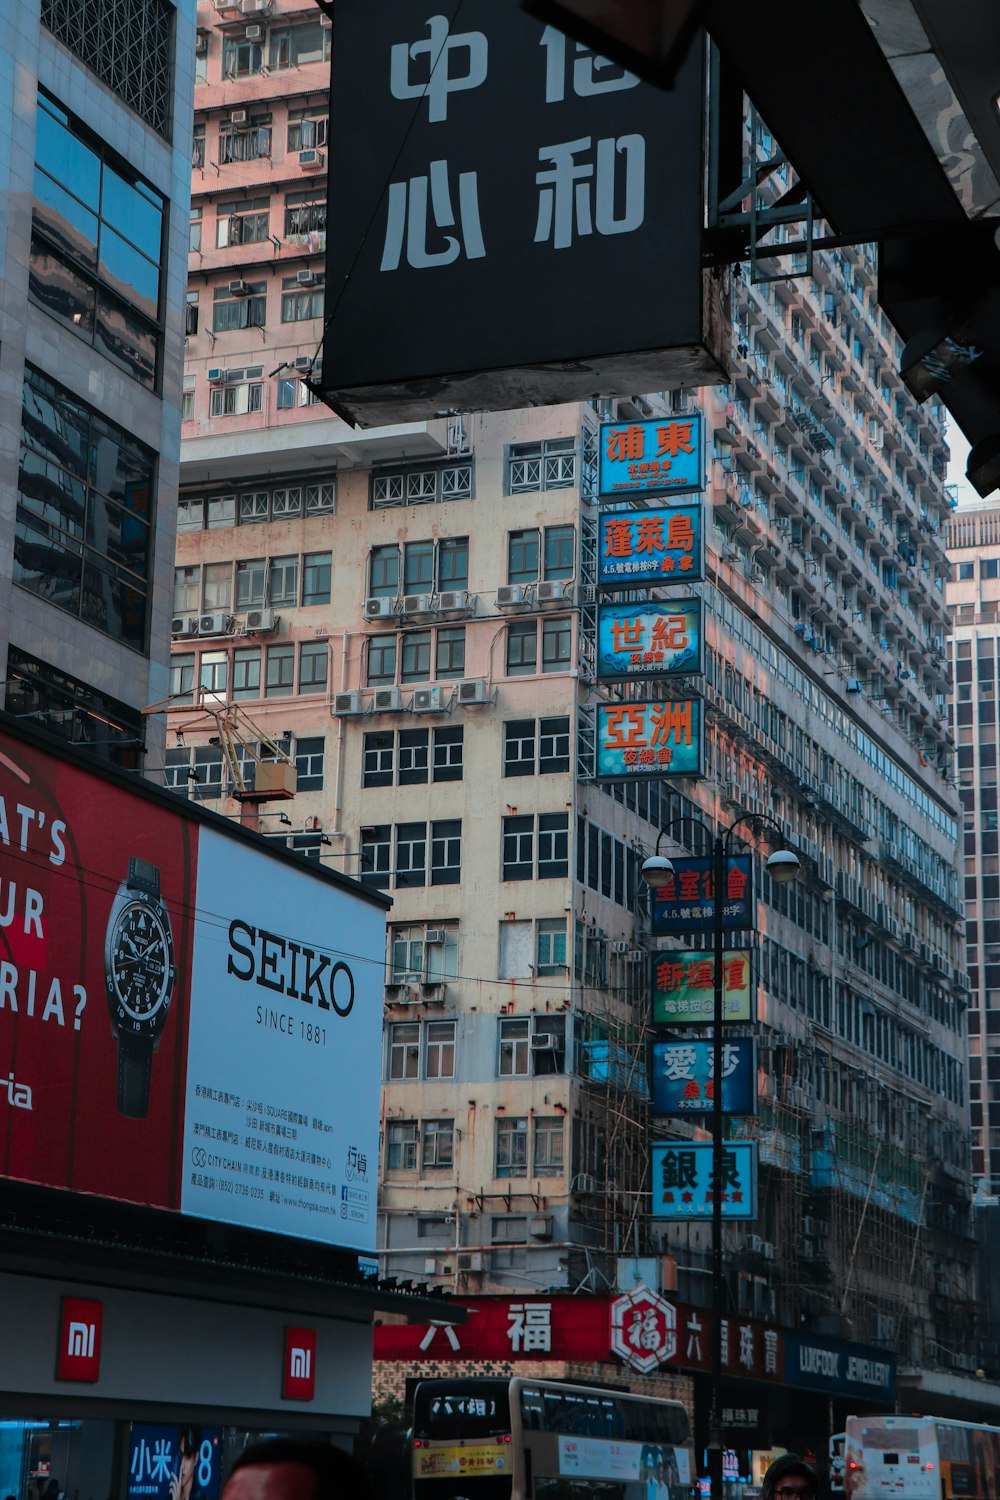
{"x":514,"y":200}
{"x":686,"y":903}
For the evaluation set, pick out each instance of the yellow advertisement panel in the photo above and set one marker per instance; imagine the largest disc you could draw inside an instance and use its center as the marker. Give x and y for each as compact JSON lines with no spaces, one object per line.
{"x":482,"y":1459}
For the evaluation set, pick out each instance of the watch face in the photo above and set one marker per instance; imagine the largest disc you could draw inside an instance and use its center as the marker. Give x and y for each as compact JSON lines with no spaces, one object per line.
{"x":140,"y":968}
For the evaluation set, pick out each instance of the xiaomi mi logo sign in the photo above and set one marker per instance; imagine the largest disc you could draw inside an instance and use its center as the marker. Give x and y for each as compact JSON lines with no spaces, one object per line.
{"x":299,"y":1382}
{"x":80,"y":1339}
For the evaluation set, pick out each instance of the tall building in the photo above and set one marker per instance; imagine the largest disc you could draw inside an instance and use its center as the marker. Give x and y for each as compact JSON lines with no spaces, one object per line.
{"x":96,"y":129}
{"x":410,"y":615}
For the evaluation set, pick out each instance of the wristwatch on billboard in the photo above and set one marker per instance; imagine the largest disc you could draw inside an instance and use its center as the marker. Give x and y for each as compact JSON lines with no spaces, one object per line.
{"x":139,"y":975}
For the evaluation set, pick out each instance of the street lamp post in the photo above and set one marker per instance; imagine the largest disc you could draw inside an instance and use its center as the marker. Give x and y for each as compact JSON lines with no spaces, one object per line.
{"x":657,"y":871}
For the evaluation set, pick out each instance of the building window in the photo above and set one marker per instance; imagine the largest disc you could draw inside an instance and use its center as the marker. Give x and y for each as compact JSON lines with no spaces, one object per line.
{"x":243,"y":222}
{"x":187,"y":397}
{"x":531,"y":743}
{"x":198,"y":145}
{"x":292,"y":46}
{"x":420,"y":486}
{"x":380,"y":660}
{"x":139,"y":73}
{"x":423,"y":656}
{"x":187,"y":590}
{"x":416,"y":656}
{"x":213,"y":672}
{"x":292,"y":392}
{"x":558,"y":552}
{"x":378,"y":758}
{"x":522,"y":839}
{"x":401,"y":1146}
{"x":439,"y":1049}
{"x":413,"y":756}
{"x":240,"y":57}
{"x":305,"y":222}
{"x":182,"y":677}
{"x":428,"y":567}
{"x":249,"y":143}
{"x":411,"y":854}
{"x":250,"y":577}
{"x":512,"y":1148}
{"x":548,"y":1146}
{"x":244,"y":309}
{"x":437,"y":1144}
{"x":550,"y":945}
{"x":107,"y":729}
{"x":279,"y":681}
{"x":246,"y":672}
{"x":316,"y":570}
{"x":97,"y":244}
{"x":307,"y":129}
{"x":522,"y":648}
{"x":241,"y":393}
{"x":309,"y":762}
{"x":85,"y":503}
{"x":376,"y":855}
{"x":283,"y":581}
{"x":549,"y":465}
{"x":515,"y":1044}
{"x":313,"y":660}
{"x":383,"y":572}
{"x":450,"y":653}
{"x":508,"y":1236}
{"x":446,"y":852}
{"x":404,"y":1050}
{"x":557,"y":644}
{"x":300,"y":303}
{"x":217,"y":589}
{"x":448,"y":746}
{"x":382,"y":765}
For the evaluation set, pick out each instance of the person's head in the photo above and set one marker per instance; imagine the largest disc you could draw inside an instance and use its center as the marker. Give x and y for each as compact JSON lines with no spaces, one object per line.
{"x":790,"y":1478}
{"x":296,"y":1469}
{"x":188,"y":1446}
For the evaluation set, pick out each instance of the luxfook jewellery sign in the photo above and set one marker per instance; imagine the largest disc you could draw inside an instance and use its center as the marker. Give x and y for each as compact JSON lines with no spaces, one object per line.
{"x":643,"y":1330}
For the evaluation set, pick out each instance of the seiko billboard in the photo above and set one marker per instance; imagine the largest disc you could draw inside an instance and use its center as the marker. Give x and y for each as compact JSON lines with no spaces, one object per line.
{"x":518,"y":222}
{"x":187,"y":1020}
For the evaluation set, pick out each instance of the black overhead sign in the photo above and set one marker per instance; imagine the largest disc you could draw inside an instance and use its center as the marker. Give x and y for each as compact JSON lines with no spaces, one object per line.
{"x":513,"y":219}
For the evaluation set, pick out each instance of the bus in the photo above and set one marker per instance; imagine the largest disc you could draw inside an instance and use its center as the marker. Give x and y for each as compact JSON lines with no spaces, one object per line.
{"x":920,"y":1458}
{"x":511,"y":1439}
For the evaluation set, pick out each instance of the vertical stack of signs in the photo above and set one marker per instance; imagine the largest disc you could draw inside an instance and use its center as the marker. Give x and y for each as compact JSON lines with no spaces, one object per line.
{"x":681,"y":1074}
{"x":655,"y":641}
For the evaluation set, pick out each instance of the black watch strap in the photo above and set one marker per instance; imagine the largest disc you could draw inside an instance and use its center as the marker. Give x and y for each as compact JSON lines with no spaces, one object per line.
{"x":133,"y":1082}
{"x":142,"y":876}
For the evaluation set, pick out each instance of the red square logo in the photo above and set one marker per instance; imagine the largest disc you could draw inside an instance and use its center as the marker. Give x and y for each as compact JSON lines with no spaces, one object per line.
{"x":299,"y":1381}
{"x":80,"y":1339}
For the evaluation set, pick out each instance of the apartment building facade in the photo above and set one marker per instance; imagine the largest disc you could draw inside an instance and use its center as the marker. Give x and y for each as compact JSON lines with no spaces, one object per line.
{"x":410,"y":615}
{"x":93,"y":268}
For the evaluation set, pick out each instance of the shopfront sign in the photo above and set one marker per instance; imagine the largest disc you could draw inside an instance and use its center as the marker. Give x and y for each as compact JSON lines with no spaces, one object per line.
{"x":683,"y":986}
{"x":643,"y":1329}
{"x":684,"y":1187}
{"x":298,"y":1381}
{"x":687,"y":902}
{"x":187,"y":1021}
{"x":662,"y":739}
{"x":80,"y":1324}
{"x":578,"y":225}
{"x":682,"y":1078}
{"x":842,"y":1369}
{"x":638,"y":548}
{"x":661,"y":456}
{"x":654,"y":639}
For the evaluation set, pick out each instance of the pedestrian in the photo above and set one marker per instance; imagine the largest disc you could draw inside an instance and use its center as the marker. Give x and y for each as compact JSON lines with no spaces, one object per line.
{"x":296,"y":1469}
{"x":790,"y":1478}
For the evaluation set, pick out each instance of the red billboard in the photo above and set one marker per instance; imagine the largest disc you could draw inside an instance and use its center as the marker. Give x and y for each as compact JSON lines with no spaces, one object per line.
{"x":175,"y":1012}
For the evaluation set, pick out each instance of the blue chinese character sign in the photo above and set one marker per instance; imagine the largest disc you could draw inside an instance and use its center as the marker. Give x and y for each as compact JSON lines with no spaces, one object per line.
{"x":683,"y":1186}
{"x":647,"y":458}
{"x":683,"y":987}
{"x":166,"y":1462}
{"x":686,"y":903}
{"x":654,"y":639}
{"x":682,"y":1080}
{"x":639,"y":547}
{"x":650,"y":739}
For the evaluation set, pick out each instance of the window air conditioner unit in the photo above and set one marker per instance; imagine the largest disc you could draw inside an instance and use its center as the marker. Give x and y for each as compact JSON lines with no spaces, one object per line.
{"x":428,"y":700}
{"x":345,"y":704}
{"x":312,"y":159}
{"x":457,"y":601}
{"x":261,"y":619}
{"x":239,"y":289}
{"x":201,"y":44}
{"x":509,"y":595}
{"x":184,"y":625}
{"x":387,"y":700}
{"x":238,"y":117}
{"x":619,"y":947}
{"x":473,"y":691}
{"x":216,"y":376}
{"x":854,"y":684}
{"x":471,"y":1262}
{"x":303,"y":362}
{"x":416,"y":604}
{"x":255,"y":33}
{"x":380,"y":609}
{"x":543,"y":1041}
{"x":584,"y":1183}
{"x":216,"y":623}
{"x":434,"y":935}
{"x":305,"y":278}
{"x":540,"y":1226}
{"x":558,"y":592}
